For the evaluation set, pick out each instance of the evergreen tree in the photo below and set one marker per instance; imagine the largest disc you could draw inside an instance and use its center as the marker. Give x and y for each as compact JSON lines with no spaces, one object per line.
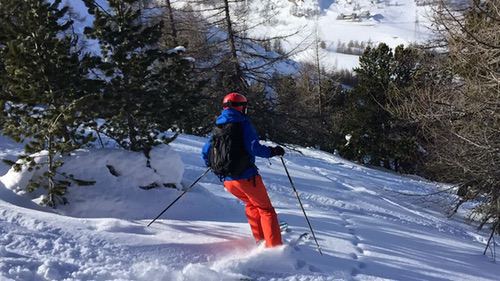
{"x":378,"y":137}
{"x":43,"y":85}
{"x":148,"y":90}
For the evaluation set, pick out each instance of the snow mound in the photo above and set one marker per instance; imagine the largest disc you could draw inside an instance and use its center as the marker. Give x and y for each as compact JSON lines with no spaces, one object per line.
{"x":128,"y":186}
{"x":125,"y":182}
{"x":164,"y":167}
{"x":127,"y":168}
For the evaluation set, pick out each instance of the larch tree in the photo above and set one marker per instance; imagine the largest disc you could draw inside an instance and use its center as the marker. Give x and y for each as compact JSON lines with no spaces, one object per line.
{"x":456,"y":105}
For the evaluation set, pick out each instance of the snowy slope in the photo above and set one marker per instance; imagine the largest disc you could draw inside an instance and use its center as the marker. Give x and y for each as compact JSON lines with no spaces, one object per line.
{"x":366,"y":229}
{"x":392,"y":22}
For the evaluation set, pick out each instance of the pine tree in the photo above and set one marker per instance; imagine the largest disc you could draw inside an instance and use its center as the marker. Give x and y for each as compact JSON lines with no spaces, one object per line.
{"x":377,"y":135}
{"x":43,"y":85}
{"x":148,"y":90}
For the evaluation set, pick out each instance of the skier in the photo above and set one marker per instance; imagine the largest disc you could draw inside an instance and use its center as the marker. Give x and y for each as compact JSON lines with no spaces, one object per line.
{"x":231,"y":155}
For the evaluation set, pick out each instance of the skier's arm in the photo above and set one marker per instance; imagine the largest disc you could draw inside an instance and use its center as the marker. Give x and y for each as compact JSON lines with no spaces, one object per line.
{"x":204,"y":152}
{"x":252,"y":144}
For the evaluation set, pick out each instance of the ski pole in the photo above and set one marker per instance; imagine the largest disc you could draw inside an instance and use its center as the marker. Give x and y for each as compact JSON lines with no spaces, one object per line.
{"x":182,"y":194}
{"x":301,"y":206}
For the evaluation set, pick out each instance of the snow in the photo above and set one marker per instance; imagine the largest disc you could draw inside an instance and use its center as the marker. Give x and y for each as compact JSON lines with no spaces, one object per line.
{"x":177,"y":50}
{"x":367,"y":229}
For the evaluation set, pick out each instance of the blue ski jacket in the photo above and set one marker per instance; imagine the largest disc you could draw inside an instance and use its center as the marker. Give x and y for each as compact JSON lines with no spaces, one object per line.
{"x":250,"y":139}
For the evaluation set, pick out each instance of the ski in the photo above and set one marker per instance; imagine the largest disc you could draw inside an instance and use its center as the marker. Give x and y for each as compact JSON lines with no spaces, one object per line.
{"x":284,"y":227}
{"x":302,"y":238}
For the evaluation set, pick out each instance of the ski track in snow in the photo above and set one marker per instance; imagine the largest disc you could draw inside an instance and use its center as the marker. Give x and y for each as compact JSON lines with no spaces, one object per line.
{"x":365,"y":229}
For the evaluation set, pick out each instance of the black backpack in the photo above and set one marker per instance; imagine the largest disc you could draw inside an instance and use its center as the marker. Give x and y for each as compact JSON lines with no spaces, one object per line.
{"x":227,"y":155}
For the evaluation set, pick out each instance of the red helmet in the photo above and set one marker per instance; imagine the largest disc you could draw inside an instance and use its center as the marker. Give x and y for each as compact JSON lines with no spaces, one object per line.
{"x":236,"y":101}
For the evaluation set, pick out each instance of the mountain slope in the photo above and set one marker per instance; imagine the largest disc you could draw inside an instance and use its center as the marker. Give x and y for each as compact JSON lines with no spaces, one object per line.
{"x":344,"y":27}
{"x":367,"y":229}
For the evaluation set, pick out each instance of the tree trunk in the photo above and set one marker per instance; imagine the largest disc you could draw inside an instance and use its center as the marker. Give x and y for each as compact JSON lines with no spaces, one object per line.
{"x":134,"y":146}
{"x":318,"y":70}
{"x":171,"y":20}
{"x":491,"y":235}
{"x":238,"y":73}
{"x":51,"y":172}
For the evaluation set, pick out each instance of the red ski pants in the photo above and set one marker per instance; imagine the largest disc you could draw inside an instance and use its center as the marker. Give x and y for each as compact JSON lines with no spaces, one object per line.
{"x":260,"y":213}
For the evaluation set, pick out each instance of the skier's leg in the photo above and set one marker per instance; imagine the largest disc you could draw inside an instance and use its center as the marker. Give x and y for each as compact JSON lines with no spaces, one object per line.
{"x":252,"y":212}
{"x":269,"y":220}
{"x":254,"y":221}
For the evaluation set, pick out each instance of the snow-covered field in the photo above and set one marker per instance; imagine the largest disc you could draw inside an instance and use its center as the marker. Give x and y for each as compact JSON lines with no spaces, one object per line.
{"x":366,"y":229}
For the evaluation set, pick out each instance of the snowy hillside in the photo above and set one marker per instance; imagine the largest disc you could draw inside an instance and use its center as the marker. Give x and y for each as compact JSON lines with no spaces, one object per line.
{"x":348,"y":22}
{"x":367,"y":229}
{"x":344,"y":26}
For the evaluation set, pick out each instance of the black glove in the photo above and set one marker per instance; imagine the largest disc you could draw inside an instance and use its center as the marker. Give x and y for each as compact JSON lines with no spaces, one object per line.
{"x":277,"y":151}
